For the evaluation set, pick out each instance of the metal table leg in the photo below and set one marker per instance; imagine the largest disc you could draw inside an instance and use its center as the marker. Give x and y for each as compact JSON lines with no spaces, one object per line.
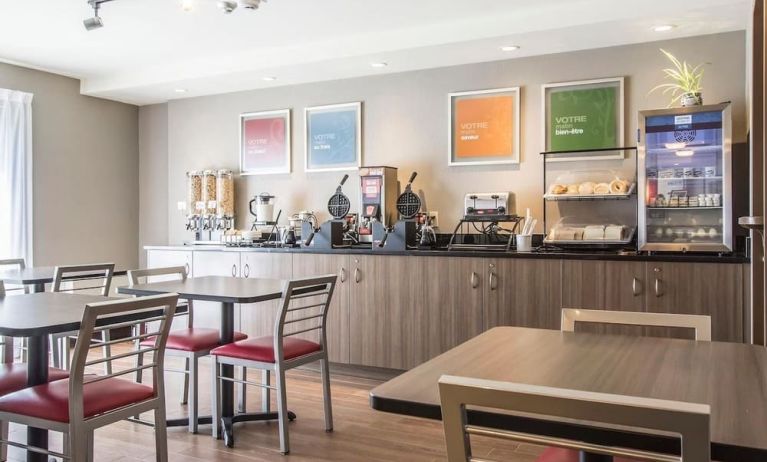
{"x":37,"y":373}
{"x":39,"y":287}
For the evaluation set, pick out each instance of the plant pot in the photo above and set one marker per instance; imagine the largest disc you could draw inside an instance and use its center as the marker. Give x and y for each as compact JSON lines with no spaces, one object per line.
{"x":692,"y":99}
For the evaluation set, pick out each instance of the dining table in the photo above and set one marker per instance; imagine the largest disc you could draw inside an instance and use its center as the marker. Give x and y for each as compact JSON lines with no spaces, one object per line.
{"x":227,"y":291}
{"x":36,"y":316}
{"x":730,"y":377}
{"x":36,"y":277}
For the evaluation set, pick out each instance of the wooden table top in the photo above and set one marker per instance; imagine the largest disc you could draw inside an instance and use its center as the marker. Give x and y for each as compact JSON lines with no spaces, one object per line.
{"x":29,"y":315}
{"x":730,"y":377}
{"x":224,"y":289}
{"x":37,"y":275}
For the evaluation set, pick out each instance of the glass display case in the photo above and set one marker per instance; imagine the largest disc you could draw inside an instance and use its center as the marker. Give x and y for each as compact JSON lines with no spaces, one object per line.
{"x":685,"y":179}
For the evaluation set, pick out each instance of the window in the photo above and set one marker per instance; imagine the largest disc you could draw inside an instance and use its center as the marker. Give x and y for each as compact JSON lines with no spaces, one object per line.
{"x":15,"y":174}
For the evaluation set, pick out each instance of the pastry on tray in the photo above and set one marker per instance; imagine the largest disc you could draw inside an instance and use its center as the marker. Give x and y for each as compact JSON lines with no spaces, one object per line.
{"x":618,"y":186}
{"x":602,"y":188}
{"x":586,"y":188}
{"x":614,"y":232}
{"x":594,"y":233}
{"x":558,"y":189}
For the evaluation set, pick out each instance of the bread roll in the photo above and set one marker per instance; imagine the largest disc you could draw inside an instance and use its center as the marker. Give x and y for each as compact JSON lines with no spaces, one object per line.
{"x":619,"y":186}
{"x":593,"y":233}
{"x":586,"y":188}
{"x":572,"y":188}
{"x":558,"y":189}
{"x":602,"y":188}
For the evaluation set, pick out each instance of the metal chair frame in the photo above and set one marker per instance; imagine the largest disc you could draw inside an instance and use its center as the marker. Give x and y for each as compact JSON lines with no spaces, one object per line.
{"x":60,"y":347}
{"x":699,"y":323}
{"x":293,"y":291}
{"x":599,"y":410}
{"x":6,"y":358}
{"x":78,"y":432}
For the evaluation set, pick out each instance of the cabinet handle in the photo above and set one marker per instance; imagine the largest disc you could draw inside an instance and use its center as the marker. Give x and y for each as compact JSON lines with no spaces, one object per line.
{"x":658,"y":287}
{"x":343,"y":274}
{"x":474,"y":280}
{"x":357,"y":275}
{"x":234,"y":270}
{"x":635,"y":287}
{"x":186,"y":266}
{"x":246,"y":270}
{"x":493,"y":280}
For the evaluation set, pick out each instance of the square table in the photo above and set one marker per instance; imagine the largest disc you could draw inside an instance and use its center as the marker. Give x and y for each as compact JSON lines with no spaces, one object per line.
{"x":227,"y":291}
{"x":36,"y":316}
{"x":730,"y":377}
{"x":38,"y":276}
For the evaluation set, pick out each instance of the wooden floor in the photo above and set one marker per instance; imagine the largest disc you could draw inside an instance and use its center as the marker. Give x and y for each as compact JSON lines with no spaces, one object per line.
{"x":360,"y":434}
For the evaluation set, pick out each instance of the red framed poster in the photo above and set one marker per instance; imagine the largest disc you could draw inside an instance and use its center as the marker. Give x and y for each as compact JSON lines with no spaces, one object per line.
{"x":265,"y":142}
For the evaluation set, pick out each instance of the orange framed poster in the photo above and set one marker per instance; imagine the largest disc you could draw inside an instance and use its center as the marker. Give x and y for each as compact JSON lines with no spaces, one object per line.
{"x":484,"y":127}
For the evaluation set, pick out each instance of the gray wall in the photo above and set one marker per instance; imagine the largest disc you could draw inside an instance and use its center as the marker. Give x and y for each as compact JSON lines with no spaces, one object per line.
{"x":153,"y":171}
{"x":85,"y":171}
{"x":405,"y":124}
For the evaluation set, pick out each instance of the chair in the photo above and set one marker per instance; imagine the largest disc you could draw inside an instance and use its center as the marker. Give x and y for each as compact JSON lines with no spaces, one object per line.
{"x":700,"y":324}
{"x":597,"y":410}
{"x":283,"y":351}
{"x":13,"y":377}
{"x":190,"y":343}
{"x":18,"y":264}
{"x":82,"y":403}
{"x":103,"y":272}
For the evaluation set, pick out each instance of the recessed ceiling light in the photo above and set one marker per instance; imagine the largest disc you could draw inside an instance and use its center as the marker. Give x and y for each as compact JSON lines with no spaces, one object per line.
{"x":663,"y":27}
{"x":187,"y":5}
{"x":269,"y":78}
{"x":379,"y":64}
{"x":510,"y":48}
{"x":181,"y":90}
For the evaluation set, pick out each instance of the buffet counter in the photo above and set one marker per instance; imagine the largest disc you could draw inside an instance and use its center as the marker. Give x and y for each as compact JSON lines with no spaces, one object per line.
{"x":398,"y":310}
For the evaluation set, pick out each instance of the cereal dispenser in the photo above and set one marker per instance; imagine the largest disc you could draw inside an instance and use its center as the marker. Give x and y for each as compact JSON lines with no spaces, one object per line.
{"x":225,"y":200}
{"x":194,"y":203}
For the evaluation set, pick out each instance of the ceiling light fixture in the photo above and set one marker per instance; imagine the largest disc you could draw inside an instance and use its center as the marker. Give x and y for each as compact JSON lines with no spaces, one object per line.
{"x":228,"y":6}
{"x":379,"y":65}
{"x":268,"y":78}
{"x":510,"y":48}
{"x":181,"y":90}
{"x":187,"y":5}
{"x":664,"y":27}
{"x":95,"y":22}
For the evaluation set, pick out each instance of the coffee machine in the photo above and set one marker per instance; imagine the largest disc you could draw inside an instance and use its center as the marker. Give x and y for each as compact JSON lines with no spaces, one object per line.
{"x":379,"y":190}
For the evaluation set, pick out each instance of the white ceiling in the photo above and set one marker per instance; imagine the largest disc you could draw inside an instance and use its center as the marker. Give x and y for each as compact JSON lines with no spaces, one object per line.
{"x":149,"y":48}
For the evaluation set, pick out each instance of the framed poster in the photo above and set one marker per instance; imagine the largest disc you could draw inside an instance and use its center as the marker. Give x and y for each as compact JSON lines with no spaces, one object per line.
{"x":333,"y":138}
{"x":265,"y":142}
{"x":484,"y":127}
{"x":583,"y":115}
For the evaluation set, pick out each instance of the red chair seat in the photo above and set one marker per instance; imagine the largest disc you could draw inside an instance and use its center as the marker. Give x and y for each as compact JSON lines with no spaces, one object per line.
{"x":193,"y":339}
{"x":568,"y":455}
{"x":50,"y":401}
{"x":13,"y":377}
{"x":262,"y":349}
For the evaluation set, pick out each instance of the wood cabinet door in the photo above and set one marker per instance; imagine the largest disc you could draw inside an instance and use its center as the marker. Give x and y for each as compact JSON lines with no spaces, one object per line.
{"x":448,"y":311}
{"x":604,"y":285}
{"x":713,"y":289}
{"x":214,"y":263}
{"x":385,"y":291}
{"x":305,"y":265}
{"x":257,"y":319}
{"x":523,"y":292}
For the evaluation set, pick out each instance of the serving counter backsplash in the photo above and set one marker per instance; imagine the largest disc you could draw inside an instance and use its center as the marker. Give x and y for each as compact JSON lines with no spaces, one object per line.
{"x":405,"y":125}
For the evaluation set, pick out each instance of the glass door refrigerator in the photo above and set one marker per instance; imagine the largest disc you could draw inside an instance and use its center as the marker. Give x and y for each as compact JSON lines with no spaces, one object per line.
{"x":685,"y":179}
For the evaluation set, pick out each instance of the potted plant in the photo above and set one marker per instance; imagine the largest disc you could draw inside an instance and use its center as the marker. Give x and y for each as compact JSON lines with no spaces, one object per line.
{"x":686,"y":82}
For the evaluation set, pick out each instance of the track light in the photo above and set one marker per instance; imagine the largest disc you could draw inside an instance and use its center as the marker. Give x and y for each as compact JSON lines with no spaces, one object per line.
{"x":95,"y":22}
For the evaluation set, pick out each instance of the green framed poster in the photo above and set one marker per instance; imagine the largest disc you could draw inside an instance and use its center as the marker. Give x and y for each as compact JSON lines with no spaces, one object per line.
{"x":584,"y":115}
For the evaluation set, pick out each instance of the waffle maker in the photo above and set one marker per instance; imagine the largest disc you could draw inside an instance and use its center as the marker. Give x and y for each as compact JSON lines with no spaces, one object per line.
{"x":330,"y":234}
{"x":403,"y":235}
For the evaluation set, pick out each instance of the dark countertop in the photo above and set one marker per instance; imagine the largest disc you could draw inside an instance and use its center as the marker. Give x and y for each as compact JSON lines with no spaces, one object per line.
{"x":550,"y":254}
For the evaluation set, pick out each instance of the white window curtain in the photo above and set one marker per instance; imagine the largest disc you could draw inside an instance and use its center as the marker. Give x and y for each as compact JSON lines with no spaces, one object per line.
{"x":15,"y":175}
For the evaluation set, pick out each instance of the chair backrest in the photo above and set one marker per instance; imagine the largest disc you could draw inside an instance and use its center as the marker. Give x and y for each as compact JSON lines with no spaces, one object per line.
{"x":304,"y":310}
{"x":689,"y":421}
{"x":157,"y":310}
{"x":100,"y":273}
{"x":141,"y":276}
{"x":18,"y":264}
{"x":2,"y":289}
{"x":699,"y":323}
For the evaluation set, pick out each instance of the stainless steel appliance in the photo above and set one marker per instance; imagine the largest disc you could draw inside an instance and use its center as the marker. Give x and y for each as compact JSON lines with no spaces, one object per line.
{"x":404,"y":234}
{"x":379,"y":190}
{"x":264,"y":212}
{"x":486,"y":204}
{"x":338,"y":232}
{"x":685,"y":179}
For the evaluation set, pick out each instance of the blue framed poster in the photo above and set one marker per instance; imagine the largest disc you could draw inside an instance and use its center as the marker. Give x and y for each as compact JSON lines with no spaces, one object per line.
{"x":333,"y":137}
